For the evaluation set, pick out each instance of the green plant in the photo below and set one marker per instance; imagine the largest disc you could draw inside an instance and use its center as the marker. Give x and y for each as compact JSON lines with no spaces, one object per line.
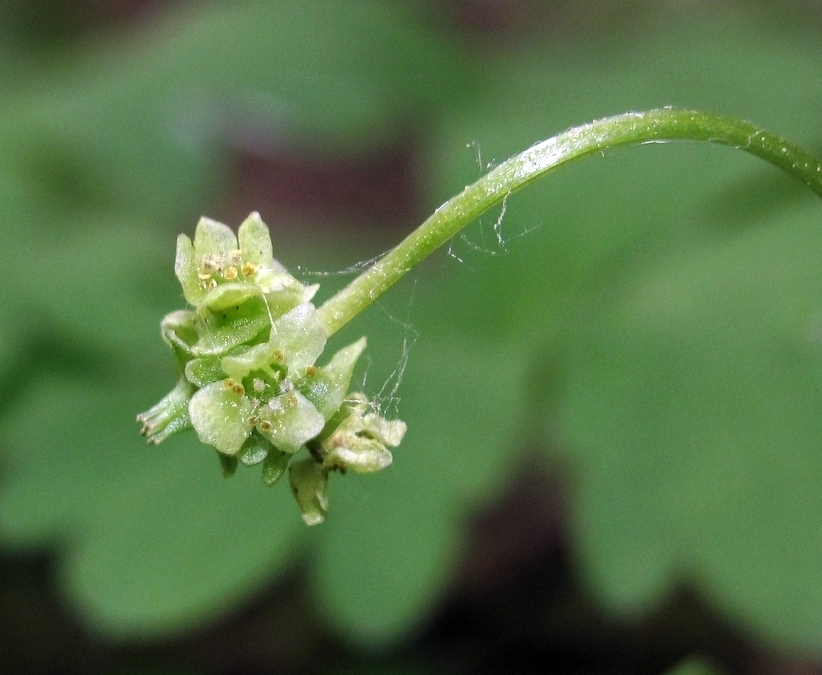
{"x":248,"y":383}
{"x":246,"y":353}
{"x":656,"y":331}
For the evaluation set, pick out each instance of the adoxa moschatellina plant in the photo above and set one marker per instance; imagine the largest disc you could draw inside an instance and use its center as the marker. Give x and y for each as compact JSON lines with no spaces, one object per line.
{"x":249,"y":383}
{"x":247,"y":347}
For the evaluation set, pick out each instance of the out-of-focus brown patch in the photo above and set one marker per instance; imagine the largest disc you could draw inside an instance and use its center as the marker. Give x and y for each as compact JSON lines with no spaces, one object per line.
{"x":376,"y":187}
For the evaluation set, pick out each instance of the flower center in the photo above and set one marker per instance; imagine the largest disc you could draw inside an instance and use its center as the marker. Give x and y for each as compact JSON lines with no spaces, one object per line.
{"x":228,"y":266}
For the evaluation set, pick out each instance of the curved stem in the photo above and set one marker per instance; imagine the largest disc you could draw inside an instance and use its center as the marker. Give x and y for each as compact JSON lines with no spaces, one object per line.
{"x":660,"y":125}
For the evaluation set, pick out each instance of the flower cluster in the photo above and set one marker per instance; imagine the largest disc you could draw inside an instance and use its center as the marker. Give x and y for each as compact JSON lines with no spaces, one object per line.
{"x":249,"y":385}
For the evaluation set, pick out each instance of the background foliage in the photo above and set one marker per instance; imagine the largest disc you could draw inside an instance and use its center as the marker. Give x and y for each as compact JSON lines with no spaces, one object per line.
{"x":649,"y":321}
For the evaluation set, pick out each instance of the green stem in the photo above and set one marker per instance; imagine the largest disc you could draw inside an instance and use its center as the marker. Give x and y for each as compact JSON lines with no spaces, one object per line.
{"x":630,"y":129}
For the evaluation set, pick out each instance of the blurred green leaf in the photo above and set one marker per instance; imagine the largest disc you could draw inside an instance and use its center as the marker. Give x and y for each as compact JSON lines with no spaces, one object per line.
{"x":696,"y":446}
{"x":153,"y":539}
{"x":687,"y":354}
{"x":139,"y":123}
{"x":693,"y":402}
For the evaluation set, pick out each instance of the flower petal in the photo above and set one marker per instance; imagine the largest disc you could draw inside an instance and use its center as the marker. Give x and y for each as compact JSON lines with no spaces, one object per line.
{"x":231,"y":327}
{"x":290,"y":420}
{"x":300,"y":336}
{"x":390,"y":432}
{"x":187,"y":268}
{"x":359,"y":441}
{"x":213,"y":238}
{"x":239,"y":365}
{"x":227,"y":295}
{"x":255,"y":243}
{"x":282,"y":291}
{"x":204,"y":371}
{"x":219,"y":416}
{"x":327,"y":388}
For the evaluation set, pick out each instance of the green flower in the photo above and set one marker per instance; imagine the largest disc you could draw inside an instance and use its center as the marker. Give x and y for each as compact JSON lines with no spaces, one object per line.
{"x":248,"y":380}
{"x":234,"y":283}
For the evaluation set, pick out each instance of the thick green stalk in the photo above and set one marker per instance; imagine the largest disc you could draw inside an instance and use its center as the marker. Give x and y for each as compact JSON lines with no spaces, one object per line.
{"x":653,"y":126}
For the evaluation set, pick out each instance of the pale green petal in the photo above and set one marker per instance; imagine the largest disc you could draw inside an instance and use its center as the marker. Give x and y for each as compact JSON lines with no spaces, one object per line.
{"x":227,"y":295}
{"x":219,"y":416}
{"x":277,"y":280}
{"x":240,"y":365}
{"x":361,"y":454}
{"x":283,"y":301}
{"x":309,"y":481}
{"x":290,"y":420}
{"x":300,"y":336}
{"x":231,"y":327}
{"x":309,"y":292}
{"x":327,"y":388}
{"x":213,"y":238}
{"x":187,"y":268}
{"x":255,"y":242}
{"x":204,"y":371}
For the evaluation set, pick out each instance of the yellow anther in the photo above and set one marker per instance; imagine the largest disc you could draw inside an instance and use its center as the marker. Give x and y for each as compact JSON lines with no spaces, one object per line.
{"x":311,"y":371}
{"x":265,"y":425}
{"x":249,"y":269}
{"x":230,"y":273}
{"x":204,"y":276}
{"x":235,"y":386}
{"x":278,"y":354}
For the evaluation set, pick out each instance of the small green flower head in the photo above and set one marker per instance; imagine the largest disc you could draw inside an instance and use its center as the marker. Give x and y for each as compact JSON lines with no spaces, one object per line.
{"x":248,"y":382}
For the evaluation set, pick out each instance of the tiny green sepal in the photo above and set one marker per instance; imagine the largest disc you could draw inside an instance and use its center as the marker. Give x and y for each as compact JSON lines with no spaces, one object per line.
{"x":228,"y":464}
{"x":249,"y":385}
